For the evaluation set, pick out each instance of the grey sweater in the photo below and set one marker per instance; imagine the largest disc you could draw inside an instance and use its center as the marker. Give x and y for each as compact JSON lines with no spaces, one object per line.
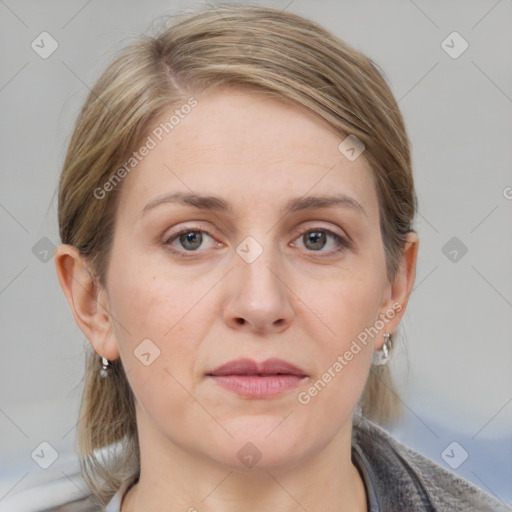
{"x":396,"y":478}
{"x":404,"y":480}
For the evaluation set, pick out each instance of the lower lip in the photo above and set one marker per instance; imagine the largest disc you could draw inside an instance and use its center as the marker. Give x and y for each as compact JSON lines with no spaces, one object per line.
{"x":255,"y":386}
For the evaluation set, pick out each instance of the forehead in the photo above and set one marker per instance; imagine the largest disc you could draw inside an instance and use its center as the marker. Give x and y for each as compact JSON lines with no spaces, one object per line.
{"x":247,"y":147}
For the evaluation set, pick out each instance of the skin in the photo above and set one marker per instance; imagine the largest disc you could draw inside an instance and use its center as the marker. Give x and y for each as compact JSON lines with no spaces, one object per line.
{"x":293,"y":302}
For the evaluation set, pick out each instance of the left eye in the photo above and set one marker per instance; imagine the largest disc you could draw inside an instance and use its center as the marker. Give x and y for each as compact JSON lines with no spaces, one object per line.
{"x":317,"y":239}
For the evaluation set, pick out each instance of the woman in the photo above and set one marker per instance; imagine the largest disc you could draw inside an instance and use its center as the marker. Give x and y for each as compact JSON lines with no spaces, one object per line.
{"x":236,"y":211}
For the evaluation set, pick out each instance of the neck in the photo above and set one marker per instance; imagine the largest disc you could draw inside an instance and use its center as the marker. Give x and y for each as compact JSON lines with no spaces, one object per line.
{"x":173,"y":479}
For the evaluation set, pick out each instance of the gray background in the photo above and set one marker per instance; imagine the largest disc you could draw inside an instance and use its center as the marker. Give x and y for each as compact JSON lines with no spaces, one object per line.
{"x":453,"y":365}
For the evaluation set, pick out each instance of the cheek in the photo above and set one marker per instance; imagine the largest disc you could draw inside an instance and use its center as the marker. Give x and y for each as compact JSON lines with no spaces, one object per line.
{"x":344,"y":356}
{"x":161,"y":314}
{"x":150,"y":301}
{"x":158,"y":341}
{"x":345,"y":304}
{"x":347,"y":307}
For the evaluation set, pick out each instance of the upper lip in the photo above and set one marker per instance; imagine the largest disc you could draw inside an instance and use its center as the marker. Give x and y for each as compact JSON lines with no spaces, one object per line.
{"x":250,"y":367}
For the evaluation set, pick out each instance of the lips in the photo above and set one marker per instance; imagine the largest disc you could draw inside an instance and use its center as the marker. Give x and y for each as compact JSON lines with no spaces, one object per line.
{"x":252,"y":368}
{"x":250,"y":379}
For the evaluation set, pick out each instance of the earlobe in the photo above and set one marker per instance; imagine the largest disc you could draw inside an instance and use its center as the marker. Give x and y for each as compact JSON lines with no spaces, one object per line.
{"x":86,"y":299}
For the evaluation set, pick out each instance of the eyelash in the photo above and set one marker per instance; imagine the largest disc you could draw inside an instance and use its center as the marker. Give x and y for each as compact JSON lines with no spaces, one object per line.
{"x":342,"y":243}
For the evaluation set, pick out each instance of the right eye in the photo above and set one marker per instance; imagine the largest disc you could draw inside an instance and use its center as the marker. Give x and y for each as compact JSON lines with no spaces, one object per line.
{"x":189,"y":240}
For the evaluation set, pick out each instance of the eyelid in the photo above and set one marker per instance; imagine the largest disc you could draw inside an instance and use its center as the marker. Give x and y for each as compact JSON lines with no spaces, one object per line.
{"x":321,"y":225}
{"x":174,"y":234}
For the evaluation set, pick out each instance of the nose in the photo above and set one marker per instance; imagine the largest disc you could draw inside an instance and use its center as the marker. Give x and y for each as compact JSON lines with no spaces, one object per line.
{"x":258,"y":297}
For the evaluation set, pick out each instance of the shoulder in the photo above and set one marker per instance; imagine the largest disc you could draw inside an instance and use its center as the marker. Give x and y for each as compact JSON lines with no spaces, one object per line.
{"x":91,"y":504}
{"x":405,"y":477}
{"x":86,"y":504}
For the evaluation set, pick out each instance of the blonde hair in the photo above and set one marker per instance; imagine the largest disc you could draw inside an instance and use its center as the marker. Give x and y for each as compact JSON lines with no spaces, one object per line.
{"x":259,"y":48}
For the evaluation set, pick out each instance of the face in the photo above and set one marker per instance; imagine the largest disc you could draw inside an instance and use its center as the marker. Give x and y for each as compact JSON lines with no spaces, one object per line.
{"x":261,"y":272}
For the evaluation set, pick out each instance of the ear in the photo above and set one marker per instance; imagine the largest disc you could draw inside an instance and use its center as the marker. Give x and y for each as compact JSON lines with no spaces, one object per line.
{"x":87,"y":299}
{"x":400,"y":288}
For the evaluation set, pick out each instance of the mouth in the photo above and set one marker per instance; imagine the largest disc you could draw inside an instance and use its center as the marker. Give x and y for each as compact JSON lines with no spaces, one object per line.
{"x":248,"y":378}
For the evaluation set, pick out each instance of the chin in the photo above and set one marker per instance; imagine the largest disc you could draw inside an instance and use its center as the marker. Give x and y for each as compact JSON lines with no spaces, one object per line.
{"x":263,"y":443}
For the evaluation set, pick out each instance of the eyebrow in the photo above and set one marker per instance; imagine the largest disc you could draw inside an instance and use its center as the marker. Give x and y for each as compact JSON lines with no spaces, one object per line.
{"x":221,"y":205}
